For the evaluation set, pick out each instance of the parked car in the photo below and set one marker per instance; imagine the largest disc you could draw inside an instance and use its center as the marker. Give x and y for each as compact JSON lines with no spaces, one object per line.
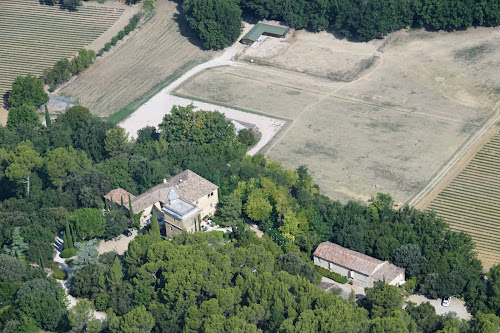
{"x":446,"y":301}
{"x":128,"y":233}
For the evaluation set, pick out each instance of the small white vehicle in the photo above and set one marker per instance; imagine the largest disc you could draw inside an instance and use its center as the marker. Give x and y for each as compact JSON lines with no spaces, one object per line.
{"x":446,"y":301}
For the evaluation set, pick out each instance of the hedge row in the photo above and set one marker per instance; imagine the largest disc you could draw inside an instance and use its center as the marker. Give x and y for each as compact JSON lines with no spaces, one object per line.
{"x":331,"y":275}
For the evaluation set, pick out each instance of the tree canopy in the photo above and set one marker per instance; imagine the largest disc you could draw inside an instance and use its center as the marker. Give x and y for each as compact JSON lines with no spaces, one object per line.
{"x":216,"y":22}
{"x":27,"y":90}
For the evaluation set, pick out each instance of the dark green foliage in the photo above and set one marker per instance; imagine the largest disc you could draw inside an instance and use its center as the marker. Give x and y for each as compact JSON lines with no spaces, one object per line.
{"x":365,"y":20}
{"x":155,"y":227}
{"x":86,"y":280}
{"x":68,"y":253}
{"x":71,"y":4}
{"x":121,"y":34}
{"x":41,"y":300}
{"x":60,"y":73}
{"x":382,"y":300}
{"x":494,"y":289}
{"x":23,"y":114}
{"x":293,"y":264}
{"x":147,"y":134}
{"x":116,"y":224}
{"x":48,"y":122}
{"x":86,"y":190}
{"x":11,"y":269}
{"x":114,"y":40}
{"x":64,"y":68}
{"x":90,"y":136}
{"x":331,"y":275}
{"x":40,"y":252}
{"x":27,"y":90}
{"x":216,"y":22}
{"x":247,"y":138}
{"x":68,"y":237}
{"x":82,"y":61}
{"x":74,"y":117}
{"x":229,"y":210}
{"x":60,"y":274}
{"x":89,"y":223}
{"x":107,"y":46}
{"x":410,"y":258}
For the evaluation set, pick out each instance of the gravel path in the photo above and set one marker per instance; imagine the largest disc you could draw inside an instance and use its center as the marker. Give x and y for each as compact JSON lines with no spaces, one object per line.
{"x":66,"y":284}
{"x":456,"y":306}
{"x":151,"y":113}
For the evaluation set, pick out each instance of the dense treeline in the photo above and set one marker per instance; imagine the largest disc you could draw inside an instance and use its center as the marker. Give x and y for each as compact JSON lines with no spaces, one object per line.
{"x":358,"y":19}
{"x":53,"y":178}
{"x":64,"y":68}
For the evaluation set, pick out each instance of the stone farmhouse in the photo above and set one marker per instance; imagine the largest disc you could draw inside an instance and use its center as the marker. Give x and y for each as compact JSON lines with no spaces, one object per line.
{"x":179,"y":203}
{"x":361,"y":269}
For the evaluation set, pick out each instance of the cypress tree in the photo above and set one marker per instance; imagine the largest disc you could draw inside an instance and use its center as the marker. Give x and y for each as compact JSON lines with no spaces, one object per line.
{"x":48,"y":122}
{"x":74,"y":233}
{"x":121,"y":203}
{"x":130,"y":211}
{"x":68,"y":239}
{"x":155,"y":227}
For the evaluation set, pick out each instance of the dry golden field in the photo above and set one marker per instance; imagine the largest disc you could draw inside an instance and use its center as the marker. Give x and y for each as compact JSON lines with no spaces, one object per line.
{"x":415,"y":98}
{"x":34,"y":36}
{"x":152,"y":56}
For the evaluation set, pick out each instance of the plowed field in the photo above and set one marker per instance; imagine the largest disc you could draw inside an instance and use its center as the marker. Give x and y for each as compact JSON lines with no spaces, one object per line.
{"x":34,"y":36}
{"x":137,"y":69}
{"x":471,"y":201}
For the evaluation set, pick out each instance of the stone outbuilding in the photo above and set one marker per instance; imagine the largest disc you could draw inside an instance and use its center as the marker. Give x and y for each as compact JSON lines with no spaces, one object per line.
{"x":359,"y":268}
{"x":179,"y":203}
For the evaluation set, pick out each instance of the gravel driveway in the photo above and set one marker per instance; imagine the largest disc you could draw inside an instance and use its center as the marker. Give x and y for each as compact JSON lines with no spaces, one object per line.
{"x":456,"y":305}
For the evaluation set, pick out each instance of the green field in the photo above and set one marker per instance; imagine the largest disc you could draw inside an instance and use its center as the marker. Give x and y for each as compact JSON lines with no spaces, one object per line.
{"x":471,"y":202}
{"x":33,"y":36}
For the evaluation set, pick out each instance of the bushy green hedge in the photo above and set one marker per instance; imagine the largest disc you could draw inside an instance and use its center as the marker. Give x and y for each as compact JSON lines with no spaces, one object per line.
{"x":60,"y":274}
{"x":68,"y":253}
{"x":331,"y":275}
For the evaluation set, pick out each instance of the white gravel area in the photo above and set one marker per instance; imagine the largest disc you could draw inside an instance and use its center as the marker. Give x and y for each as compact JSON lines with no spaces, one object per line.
{"x":456,"y":305}
{"x":151,"y":113}
{"x":118,"y":244}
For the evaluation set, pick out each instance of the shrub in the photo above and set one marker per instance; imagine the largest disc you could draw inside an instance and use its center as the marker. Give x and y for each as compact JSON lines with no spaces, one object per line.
{"x":107,"y":46}
{"x":68,"y":253}
{"x":114,"y":40}
{"x":247,"y":137}
{"x":101,"y":301}
{"x":121,"y":34}
{"x":100,"y":53}
{"x":331,"y":275}
{"x":60,"y":274}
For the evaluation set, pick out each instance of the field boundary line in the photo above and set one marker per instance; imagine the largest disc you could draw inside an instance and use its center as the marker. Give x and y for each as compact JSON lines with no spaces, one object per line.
{"x":309,"y":107}
{"x":457,"y":163}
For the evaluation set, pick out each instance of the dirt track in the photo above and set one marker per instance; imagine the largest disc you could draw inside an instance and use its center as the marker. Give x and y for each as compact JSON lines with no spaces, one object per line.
{"x":390,"y":129}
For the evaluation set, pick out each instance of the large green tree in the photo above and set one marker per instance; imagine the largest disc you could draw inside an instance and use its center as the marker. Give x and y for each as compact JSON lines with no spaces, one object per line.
{"x":62,"y":162}
{"x":216,"y":22}
{"x":89,"y":223}
{"x":22,"y":161}
{"x":27,"y":90}
{"x":23,"y":114}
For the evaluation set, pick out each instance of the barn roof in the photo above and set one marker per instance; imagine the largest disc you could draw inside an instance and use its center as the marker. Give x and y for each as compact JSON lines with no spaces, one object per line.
{"x":261,"y":28}
{"x":358,"y":262}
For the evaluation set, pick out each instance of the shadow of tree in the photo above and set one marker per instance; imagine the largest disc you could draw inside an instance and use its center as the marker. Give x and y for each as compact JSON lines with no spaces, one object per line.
{"x":184,"y":28}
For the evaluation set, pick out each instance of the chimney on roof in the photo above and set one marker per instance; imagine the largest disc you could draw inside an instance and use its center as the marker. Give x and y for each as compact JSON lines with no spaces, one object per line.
{"x":164,"y":180}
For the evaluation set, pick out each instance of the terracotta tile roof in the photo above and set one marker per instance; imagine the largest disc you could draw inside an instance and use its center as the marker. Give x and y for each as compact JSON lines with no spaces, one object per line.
{"x":357,"y":261}
{"x":188,"y":185}
{"x":116,"y":196}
